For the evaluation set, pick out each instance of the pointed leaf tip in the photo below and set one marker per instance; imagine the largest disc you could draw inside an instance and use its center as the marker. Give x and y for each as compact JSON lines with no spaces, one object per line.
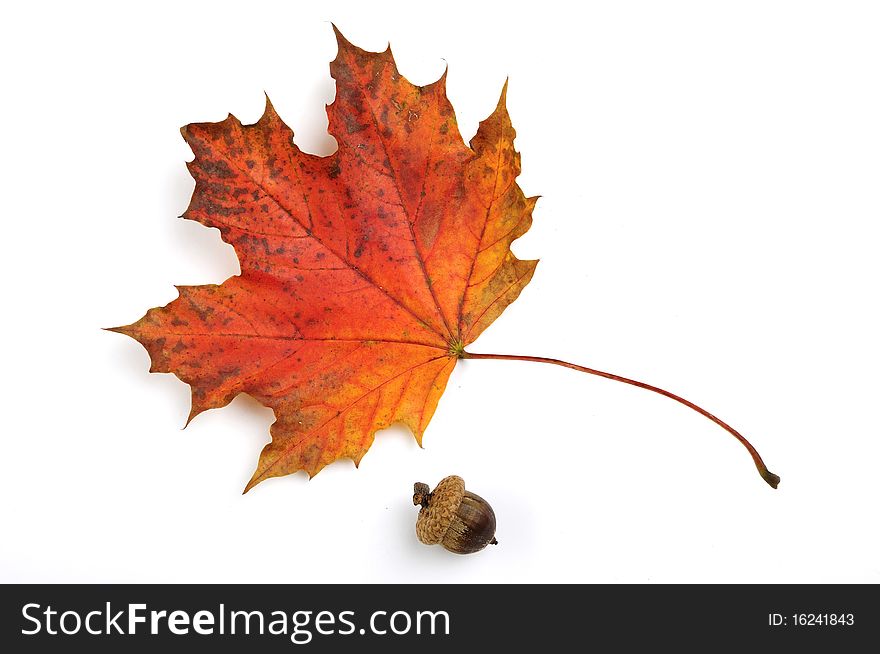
{"x":269,"y":113}
{"x":341,"y":41}
{"x":125,"y":330}
{"x":441,"y":81}
{"x":502,"y":99}
{"x":193,"y":412}
{"x":255,"y":479}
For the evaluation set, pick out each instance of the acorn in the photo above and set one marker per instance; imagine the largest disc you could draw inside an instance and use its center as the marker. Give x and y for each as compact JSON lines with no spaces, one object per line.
{"x":461,"y":521}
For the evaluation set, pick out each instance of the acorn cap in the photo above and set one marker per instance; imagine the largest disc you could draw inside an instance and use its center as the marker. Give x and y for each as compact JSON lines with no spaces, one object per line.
{"x":438,"y":508}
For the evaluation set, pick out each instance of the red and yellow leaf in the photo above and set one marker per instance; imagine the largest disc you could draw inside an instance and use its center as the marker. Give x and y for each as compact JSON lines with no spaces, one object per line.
{"x":363,"y":274}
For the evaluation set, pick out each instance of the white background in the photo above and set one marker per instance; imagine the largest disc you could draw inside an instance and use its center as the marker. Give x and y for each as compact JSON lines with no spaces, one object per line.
{"x":708,"y":223}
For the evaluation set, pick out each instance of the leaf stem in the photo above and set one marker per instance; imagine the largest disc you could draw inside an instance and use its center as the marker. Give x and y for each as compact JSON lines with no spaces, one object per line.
{"x":766,"y":475}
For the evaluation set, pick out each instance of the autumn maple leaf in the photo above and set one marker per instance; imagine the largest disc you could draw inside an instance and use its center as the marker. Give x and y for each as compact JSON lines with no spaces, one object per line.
{"x":364,"y":274}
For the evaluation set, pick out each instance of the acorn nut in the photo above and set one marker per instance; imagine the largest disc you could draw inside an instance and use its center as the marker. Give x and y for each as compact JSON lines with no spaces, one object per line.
{"x":457,"y":519}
